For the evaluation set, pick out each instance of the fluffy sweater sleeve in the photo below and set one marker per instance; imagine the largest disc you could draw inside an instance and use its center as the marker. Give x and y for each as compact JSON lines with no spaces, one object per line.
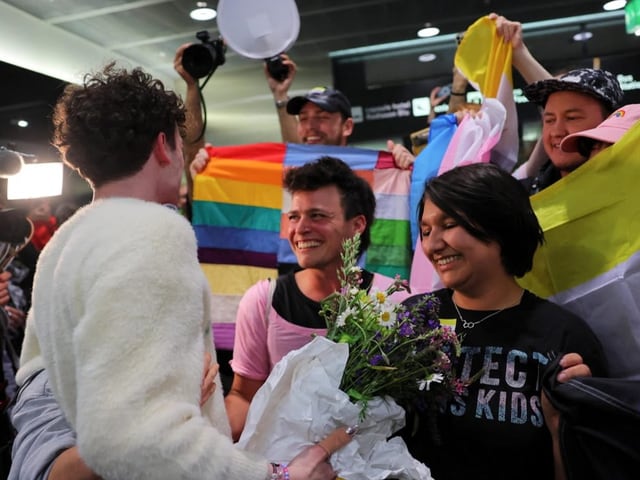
{"x":121,"y":313}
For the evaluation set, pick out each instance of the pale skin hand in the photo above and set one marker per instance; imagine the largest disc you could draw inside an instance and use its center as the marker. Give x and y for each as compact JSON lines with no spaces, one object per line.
{"x":435,"y":101}
{"x":70,"y":466}
{"x":312,"y":463}
{"x":572,"y":366}
{"x":5,"y":277}
{"x":208,"y":385}
{"x":402,"y":157}
{"x":16,"y":317}
{"x":511,"y":32}
{"x":280,"y":91}
{"x":433,"y":97}
{"x":199,"y":163}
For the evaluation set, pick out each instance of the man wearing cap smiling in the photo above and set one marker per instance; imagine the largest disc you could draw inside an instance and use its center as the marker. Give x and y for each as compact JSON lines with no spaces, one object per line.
{"x":324,"y":116}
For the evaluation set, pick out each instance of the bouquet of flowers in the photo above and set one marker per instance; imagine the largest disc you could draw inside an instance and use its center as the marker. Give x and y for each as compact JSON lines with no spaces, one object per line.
{"x":396,"y":351}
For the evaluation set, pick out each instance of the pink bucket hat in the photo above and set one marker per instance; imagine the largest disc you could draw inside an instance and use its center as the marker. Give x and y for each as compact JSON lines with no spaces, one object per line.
{"x":610,"y":131}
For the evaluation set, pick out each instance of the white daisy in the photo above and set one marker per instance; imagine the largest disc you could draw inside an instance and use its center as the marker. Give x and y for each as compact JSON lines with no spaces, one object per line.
{"x":433,"y":378}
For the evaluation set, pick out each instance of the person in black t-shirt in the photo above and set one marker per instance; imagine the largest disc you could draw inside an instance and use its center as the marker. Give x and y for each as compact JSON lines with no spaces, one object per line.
{"x":480,"y":233}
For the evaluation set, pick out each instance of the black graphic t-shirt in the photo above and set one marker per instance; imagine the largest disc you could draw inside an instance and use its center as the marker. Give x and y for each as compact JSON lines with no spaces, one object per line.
{"x":497,"y":430}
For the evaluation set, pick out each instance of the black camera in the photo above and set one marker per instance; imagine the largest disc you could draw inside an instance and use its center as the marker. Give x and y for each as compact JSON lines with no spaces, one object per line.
{"x":10,"y":162}
{"x":277,"y":70}
{"x":202,"y":59}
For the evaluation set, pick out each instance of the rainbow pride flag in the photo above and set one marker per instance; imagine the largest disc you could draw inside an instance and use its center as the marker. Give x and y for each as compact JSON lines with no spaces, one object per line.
{"x":590,"y":262}
{"x":239,"y":216}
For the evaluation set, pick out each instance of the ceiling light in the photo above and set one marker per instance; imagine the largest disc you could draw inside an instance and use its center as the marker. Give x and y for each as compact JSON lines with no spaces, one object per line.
{"x":582,"y":36}
{"x":202,"y":12}
{"x":428,"y":31}
{"x":427,"y":57}
{"x":19,"y":122}
{"x":614,"y":5}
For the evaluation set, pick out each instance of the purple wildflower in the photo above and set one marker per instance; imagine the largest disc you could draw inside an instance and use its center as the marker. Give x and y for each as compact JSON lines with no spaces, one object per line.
{"x":406,"y":329}
{"x":376,"y":360}
{"x":433,"y":323}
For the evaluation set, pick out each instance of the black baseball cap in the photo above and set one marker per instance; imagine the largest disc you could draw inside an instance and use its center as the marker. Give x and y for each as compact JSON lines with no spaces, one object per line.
{"x":327,"y":99}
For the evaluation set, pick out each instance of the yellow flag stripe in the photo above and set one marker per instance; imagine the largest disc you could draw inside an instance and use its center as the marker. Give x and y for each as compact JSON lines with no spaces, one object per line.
{"x":237,"y":192}
{"x":234,"y":279}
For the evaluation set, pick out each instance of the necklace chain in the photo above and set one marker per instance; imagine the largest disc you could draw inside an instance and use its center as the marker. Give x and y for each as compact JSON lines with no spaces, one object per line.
{"x":469,"y":325}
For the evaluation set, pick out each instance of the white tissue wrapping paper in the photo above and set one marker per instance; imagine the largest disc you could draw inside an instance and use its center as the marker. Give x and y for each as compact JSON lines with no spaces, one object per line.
{"x":300,"y":403}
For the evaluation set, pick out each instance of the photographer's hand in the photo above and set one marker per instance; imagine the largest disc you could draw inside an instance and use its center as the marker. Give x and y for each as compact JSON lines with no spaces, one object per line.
{"x":177,"y":65}
{"x":280,"y":90}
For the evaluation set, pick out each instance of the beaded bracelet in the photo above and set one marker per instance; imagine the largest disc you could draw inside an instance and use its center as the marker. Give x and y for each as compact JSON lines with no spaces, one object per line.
{"x":279,"y":471}
{"x":460,"y":94}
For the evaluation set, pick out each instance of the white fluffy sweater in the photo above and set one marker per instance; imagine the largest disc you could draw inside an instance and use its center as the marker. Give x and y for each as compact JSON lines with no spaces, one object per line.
{"x":121,"y":320}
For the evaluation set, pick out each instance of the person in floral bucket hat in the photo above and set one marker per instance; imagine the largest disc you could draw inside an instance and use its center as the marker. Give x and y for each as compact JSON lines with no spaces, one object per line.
{"x":573,"y":101}
{"x":577,"y":100}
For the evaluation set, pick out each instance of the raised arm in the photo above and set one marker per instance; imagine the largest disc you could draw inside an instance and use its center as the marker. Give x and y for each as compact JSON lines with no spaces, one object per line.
{"x":280,"y":91}
{"x":194,"y":136}
{"x":458,"y":98}
{"x":523,"y":61}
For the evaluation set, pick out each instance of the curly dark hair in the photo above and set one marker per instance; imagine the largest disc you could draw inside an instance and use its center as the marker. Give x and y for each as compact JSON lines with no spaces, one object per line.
{"x":356,"y":195}
{"x":106,"y":128}
{"x":491,"y":205}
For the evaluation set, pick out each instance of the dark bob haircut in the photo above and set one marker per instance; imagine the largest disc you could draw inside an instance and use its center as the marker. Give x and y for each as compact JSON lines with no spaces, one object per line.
{"x":356,"y":195}
{"x":491,"y":205}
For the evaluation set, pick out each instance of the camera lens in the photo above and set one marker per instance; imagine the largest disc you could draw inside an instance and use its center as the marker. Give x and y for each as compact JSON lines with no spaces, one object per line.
{"x":276,"y":68}
{"x":199,"y":59}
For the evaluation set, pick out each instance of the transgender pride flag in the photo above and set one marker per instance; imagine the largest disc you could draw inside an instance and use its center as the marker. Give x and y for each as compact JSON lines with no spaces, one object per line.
{"x":485,"y":61}
{"x":239,"y":216}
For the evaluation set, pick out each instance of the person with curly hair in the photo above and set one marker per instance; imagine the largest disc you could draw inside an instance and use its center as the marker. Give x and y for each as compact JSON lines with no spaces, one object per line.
{"x":121,"y":313}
